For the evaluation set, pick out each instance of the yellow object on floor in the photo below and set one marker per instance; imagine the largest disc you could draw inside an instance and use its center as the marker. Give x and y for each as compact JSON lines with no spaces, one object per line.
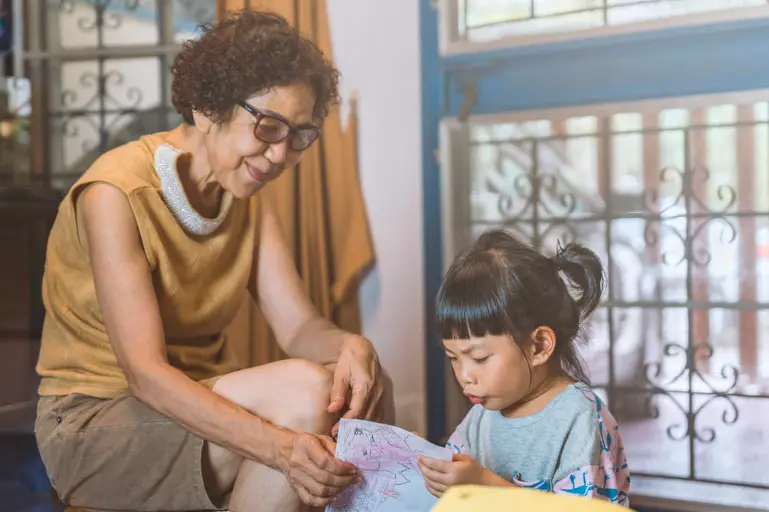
{"x":472,"y":498}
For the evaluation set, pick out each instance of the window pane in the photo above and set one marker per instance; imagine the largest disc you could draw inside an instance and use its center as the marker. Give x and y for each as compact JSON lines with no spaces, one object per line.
{"x":487,"y":20}
{"x":487,"y":12}
{"x":105,"y":68}
{"x":675,"y":201}
{"x":87,"y":120}
{"x":189,"y":15}
{"x":75,"y":24}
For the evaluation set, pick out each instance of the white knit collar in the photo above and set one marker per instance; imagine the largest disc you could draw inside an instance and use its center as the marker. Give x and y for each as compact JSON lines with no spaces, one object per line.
{"x":176,"y":200}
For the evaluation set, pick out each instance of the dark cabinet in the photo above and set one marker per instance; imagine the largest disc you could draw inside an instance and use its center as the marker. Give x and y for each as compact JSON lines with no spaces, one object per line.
{"x":26,"y":216}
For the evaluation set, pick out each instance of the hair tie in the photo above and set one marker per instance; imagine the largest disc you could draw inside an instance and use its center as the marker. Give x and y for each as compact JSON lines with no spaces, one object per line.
{"x":557,"y":258}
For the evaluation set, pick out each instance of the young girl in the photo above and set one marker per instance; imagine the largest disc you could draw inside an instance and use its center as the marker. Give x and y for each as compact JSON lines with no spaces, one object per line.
{"x":511,"y":329}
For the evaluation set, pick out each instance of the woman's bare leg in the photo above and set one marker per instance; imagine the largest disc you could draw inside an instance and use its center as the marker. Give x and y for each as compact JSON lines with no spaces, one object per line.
{"x":294,"y":394}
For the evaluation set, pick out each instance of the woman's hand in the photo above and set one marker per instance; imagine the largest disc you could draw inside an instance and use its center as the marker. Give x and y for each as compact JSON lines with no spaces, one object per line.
{"x":439,"y":474}
{"x":313,"y":472}
{"x":358,"y":373}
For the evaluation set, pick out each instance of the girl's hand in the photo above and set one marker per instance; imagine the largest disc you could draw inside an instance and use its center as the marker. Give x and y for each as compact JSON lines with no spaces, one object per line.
{"x":439,"y":474}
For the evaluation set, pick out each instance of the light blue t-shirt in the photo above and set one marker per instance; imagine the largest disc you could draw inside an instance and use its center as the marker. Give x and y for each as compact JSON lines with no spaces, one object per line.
{"x":572,"y":446}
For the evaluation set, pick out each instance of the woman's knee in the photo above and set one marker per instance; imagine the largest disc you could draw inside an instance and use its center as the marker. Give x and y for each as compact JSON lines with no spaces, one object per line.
{"x":294,"y":393}
{"x":308,"y":409}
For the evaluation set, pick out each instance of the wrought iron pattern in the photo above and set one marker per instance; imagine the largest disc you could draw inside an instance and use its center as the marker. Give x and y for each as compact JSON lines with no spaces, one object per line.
{"x":104,"y":89}
{"x":103,"y":18}
{"x":535,"y":201}
{"x":200,"y":12}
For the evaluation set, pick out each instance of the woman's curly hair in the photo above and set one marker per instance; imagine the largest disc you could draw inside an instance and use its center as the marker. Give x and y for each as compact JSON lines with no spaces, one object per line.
{"x":247,"y":53}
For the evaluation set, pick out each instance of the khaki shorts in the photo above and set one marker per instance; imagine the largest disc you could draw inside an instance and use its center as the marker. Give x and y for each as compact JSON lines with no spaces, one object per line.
{"x":120,"y":454}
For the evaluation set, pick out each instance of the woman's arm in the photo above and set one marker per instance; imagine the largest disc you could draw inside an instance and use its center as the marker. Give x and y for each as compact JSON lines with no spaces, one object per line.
{"x":276,"y":286}
{"x":302,"y":333}
{"x":109,"y":233}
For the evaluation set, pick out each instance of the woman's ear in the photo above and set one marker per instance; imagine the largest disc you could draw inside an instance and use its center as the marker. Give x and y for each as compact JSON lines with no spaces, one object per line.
{"x":202,"y":122}
{"x":542,"y":345}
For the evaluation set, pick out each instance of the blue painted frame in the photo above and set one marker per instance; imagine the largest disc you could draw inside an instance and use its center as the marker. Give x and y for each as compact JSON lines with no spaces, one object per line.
{"x":670,"y":62}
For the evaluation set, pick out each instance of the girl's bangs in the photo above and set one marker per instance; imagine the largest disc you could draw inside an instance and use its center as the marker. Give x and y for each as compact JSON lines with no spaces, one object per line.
{"x":471,"y":306}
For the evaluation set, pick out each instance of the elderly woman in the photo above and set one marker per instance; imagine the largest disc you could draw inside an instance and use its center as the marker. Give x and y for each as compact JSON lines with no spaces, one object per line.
{"x":141,"y":406}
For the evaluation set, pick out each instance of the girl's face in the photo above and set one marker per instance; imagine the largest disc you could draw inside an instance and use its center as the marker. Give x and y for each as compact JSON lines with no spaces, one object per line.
{"x":493,"y":370}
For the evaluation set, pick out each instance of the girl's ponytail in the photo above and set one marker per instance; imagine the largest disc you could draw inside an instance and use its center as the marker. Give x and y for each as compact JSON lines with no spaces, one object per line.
{"x":584,"y":272}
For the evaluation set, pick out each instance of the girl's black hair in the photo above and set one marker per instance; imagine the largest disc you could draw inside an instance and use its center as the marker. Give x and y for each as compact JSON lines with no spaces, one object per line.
{"x":502,"y":286}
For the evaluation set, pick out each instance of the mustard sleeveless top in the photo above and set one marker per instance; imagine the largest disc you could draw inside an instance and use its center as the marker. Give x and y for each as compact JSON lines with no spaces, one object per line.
{"x":199,"y":279}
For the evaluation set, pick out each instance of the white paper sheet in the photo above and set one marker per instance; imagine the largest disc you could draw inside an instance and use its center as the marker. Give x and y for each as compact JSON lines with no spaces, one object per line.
{"x":387,"y":458}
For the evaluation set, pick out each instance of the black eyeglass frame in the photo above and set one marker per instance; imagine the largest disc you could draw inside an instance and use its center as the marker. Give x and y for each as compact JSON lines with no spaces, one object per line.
{"x":290,"y":131}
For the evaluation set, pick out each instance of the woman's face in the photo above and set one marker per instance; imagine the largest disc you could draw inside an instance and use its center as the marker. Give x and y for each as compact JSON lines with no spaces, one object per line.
{"x":239,"y":161}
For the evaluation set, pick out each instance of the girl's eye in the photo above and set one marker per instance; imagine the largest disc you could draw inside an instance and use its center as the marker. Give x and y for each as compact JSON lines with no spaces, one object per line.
{"x":481,"y":360}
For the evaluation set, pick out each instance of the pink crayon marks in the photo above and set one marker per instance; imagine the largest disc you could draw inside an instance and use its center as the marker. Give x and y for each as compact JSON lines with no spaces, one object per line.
{"x":390,"y":493}
{"x":387,"y":461}
{"x":381,"y":455}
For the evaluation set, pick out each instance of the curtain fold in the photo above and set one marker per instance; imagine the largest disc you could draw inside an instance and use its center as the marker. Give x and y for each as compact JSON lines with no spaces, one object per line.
{"x":320,"y":207}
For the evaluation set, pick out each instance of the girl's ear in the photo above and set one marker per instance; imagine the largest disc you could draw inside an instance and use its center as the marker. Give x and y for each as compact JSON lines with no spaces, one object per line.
{"x":542,"y":345}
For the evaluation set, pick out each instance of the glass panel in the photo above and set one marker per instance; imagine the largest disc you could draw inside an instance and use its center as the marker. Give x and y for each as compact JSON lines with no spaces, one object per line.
{"x":74,"y":24}
{"x":132,"y":83}
{"x":522,"y":230}
{"x":729,"y":431}
{"x":116,"y":84}
{"x":189,"y":15}
{"x":627,"y":154}
{"x":102,"y":104}
{"x":485,"y":20}
{"x":76,"y":141}
{"x":101,"y":99}
{"x":128,"y":126}
{"x":543,"y":169}
{"x":501,"y":181}
{"x":763,"y":351}
{"x":620,"y":12}
{"x":595,"y":351}
{"x":486,"y":12}
{"x":78,"y":86}
{"x":655,"y":441}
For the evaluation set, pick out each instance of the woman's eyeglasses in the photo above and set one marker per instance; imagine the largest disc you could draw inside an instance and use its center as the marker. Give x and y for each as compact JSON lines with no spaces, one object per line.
{"x":272,"y":129}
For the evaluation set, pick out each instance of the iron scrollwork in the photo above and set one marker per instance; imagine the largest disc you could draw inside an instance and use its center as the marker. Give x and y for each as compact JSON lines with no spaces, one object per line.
{"x":103,"y":17}
{"x":102,"y":100}
{"x":686,"y":195}
{"x":536,"y":196}
{"x":535,"y":193}
{"x":102,"y":87}
{"x":694,"y":211}
{"x":201,"y":14}
{"x":686,"y":200}
{"x":677,"y":431}
{"x":101,"y":105}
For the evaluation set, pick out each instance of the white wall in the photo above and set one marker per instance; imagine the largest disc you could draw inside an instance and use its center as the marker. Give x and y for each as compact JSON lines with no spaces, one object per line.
{"x":376,"y":47}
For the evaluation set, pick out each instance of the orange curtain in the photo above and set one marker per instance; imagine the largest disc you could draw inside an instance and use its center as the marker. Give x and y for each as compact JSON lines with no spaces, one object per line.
{"x":320,"y":207}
